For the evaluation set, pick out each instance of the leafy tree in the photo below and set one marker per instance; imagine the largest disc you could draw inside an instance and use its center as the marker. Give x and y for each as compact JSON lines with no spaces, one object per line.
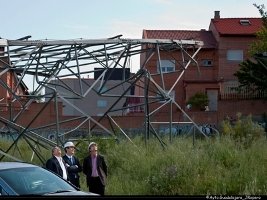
{"x":260,"y":45}
{"x":253,"y":72}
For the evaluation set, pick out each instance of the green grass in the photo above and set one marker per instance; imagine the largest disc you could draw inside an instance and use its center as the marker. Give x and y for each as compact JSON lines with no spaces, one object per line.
{"x":224,"y":166}
{"x":209,"y":167}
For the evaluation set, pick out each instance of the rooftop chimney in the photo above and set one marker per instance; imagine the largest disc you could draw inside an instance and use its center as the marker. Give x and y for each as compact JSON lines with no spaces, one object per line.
{"x":216,"y":14}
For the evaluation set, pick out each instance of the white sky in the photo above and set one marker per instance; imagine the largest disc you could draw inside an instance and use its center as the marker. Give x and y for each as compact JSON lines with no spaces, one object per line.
{"x":65,"y":19}
{"x":88,"y":19}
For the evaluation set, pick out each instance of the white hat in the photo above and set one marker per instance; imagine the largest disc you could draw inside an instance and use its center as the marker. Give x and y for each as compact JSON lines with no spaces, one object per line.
{"x":69,"y":144}
{"x":91,"y":143}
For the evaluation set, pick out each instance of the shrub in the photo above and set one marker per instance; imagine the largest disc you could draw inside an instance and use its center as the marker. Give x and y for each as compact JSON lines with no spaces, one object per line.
{"x":244,"y":131}
{"x":198,"y":101}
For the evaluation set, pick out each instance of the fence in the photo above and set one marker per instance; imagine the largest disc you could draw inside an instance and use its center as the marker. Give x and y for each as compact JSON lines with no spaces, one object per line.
{"x":230,"y":90}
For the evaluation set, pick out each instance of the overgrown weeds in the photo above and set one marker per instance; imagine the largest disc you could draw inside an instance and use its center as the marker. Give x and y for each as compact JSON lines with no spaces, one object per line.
{"x":235,"y":164}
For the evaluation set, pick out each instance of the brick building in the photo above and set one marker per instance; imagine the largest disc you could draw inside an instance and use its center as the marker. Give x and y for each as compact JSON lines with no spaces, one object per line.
{"x":226,"y":45}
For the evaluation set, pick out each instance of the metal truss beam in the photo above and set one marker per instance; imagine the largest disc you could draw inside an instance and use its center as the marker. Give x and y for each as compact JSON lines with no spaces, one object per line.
{"x":44,"y":65}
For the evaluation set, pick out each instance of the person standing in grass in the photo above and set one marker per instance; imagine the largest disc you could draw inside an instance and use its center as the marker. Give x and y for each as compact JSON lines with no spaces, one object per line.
{"x":56,"y":164}
{"x":72,"y":164}
{"x":95,"y":169}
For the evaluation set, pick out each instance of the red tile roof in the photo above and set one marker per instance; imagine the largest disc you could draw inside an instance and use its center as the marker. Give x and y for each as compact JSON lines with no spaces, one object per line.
{"x":232,"y":26}
{"x":202,"y":35}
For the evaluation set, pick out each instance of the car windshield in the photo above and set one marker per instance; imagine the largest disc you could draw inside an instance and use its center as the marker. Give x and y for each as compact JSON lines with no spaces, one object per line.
{"x":34,"y":181}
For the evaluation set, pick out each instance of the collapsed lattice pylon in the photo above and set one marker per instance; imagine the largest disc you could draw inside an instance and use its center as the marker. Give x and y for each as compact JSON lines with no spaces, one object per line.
{"x":46,"y":63}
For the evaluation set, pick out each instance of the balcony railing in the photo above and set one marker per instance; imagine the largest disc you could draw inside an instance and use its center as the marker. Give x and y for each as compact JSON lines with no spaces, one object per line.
{"x":231,"y":91}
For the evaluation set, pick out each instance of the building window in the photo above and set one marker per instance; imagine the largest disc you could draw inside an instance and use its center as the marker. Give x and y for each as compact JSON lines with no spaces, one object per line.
{"x":166,"y":66}
{"x":133,"y":103}
{"x":235,"y":55}
{"x":102,"y":103}
{"x":244,"y":22}
{"x":206,"y":63}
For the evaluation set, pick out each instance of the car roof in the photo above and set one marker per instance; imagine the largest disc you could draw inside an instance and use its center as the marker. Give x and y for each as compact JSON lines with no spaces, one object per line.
{"x":9,"y":165}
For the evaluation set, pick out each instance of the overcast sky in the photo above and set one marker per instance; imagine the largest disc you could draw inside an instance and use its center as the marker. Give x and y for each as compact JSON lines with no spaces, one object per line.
{"x":65,"y":19}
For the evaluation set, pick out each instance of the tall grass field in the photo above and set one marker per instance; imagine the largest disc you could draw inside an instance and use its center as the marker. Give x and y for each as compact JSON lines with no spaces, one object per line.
{"x":233,"y":164}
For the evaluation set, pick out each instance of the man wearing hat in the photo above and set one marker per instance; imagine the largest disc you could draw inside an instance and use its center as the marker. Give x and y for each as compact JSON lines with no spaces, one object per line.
{"x":72,"y":164}
{"x":95,"y":169}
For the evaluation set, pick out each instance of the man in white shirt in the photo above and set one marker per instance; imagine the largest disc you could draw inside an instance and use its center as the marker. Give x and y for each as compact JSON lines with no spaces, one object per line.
{"x":56,"y":164}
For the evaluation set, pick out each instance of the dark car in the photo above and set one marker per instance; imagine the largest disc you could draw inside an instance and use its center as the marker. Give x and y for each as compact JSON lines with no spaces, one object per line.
{"x":18,"y":178}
